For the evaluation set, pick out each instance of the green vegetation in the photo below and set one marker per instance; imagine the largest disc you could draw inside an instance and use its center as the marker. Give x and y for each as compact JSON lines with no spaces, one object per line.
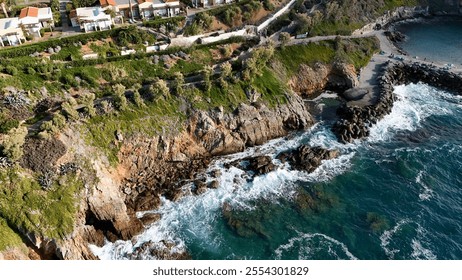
{"x":8,"y":237}
{"x":27,"y":206}
{"x":159,"y":22}
{"x":357,"y":51}
{"x":233,"y":15}
{"x":149,"y":120}
{"x":292,"y":56}
{"x":271,"y":88}
{"x":353,"y":51}
{"x":391,"y":4}
{"x":124,"y":36}
{"x":12,"y":143}
{"x":339,"y":17}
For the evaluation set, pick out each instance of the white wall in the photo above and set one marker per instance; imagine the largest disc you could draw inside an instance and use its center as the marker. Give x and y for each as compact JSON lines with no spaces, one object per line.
{"x":275,"y":16}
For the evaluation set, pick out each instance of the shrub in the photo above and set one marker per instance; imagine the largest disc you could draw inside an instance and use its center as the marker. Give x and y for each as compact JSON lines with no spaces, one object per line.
{"x":13,"y":142}
{"x":11,"y":70}
{"x":69,"y":111}
{"x":31,"y":71}
{"x":8,"y":124}
{"x":120,"y":99}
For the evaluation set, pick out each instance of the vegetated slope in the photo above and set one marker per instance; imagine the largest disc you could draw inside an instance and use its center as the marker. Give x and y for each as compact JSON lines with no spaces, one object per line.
{"x":337,"y":17}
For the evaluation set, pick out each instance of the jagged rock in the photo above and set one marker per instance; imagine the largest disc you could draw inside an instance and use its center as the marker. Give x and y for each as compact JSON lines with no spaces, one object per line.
{"x":355,"y":122}
{"x":216,"y":173}
{"x":307,"y":158}
{"x":214,"y":184}
{"x":150,"y":218}
{"x":200,"y":187}
{"x":160,"y":251}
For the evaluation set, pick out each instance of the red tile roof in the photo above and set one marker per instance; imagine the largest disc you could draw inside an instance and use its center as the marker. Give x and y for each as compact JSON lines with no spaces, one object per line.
{"x":105,"y":3}
{"x":29,"y":12}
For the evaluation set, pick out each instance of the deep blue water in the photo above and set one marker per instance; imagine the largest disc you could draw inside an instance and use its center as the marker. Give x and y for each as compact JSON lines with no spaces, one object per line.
{"x":439,"y":39}
{"x":395,"y":195}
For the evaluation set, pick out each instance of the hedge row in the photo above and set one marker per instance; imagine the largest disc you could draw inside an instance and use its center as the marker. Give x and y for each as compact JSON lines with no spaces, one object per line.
{"x":26,"y":50}
{"x":156,"y":23}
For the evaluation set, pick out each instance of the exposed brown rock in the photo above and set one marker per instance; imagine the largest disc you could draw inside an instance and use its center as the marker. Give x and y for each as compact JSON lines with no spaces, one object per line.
{"x":311,"y":80}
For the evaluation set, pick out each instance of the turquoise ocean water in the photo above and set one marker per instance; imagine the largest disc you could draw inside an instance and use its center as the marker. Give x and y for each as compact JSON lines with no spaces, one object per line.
{"x":394,"y":195}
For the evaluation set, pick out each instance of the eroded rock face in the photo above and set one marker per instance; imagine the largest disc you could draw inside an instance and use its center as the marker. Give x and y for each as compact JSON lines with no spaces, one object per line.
{"x":159,"y":166}
{"x":310,"y":80}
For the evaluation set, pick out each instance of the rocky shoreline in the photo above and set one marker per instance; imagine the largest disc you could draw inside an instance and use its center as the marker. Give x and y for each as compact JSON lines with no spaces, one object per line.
{"x":355,"y":121}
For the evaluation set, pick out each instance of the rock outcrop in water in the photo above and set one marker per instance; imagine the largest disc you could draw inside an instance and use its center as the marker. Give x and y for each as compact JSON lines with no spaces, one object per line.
{"x":307,"y":158}
{"x":355,"y":121}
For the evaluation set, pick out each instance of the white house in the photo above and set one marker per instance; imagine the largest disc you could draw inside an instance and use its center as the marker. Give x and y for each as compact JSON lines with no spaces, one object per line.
{"x":208,"y":3}
{"x":143,"y":8}
{"x":10,"y":32}
{"x":91,"y":19}
{"x":33,"y":19}
{"x":166,"y":8}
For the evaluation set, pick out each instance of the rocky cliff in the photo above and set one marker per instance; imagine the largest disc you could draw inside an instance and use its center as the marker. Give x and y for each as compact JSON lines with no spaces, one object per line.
{"x":311,"y":80}
{"x":150,"y":167}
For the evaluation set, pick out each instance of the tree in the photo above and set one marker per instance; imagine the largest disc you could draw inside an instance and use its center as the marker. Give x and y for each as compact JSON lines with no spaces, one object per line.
{"x":254,"y":65}
{"x":226,"y":71}
{"x":207,"y":74}
{"x":137,"y":96}
{"x":82,"y":3}
{"x":54,"y":5}
{"x":13,"y":142}
{"x":284,"y":38}
{"x":88,"y":102}
{"x":119,"y":99}
{"x":163,"y":88}
{"x":69,"y":111}
{"x":106,"y":106}
{"x":178,"y":82}
{"x":159,"y":89}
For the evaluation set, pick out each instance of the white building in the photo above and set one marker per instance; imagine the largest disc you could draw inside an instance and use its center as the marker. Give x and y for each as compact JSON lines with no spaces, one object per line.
{"x":143,"y":8}
{"x":165,"y":8}
{"x":91,"y":19}
{"x":33,"y":19}
{"x":10,"y":32}
{"x":209,"y":3}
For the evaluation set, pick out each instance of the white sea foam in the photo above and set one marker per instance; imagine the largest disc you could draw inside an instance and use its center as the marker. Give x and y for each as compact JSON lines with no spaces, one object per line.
{"x":427,"y":192}
{"x":196,"y":214}
{"x":386,"y":237}
{"x":308,"y":244}
{"x":421,"y":253}
{"x":193,"y":216}
{"x":392,"y":241}
{"x":415,"y":103}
